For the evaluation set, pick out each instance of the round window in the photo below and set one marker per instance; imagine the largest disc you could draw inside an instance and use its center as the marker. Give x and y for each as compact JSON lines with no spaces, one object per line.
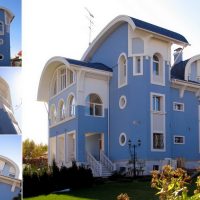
{"x":122,"y":102}
{"x":122,"y":139}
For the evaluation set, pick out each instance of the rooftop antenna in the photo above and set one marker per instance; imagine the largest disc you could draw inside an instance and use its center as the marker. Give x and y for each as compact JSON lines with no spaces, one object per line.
{"x":90,"y":19}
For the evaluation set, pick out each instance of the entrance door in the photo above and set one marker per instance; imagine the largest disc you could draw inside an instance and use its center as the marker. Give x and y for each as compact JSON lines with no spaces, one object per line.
{"x":94,"y":143}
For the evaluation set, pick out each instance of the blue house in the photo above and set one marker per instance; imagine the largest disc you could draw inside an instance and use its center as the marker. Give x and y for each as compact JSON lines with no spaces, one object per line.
{"x":125,"y":90}
{"x":6,"y":18}
{"x":10,"y":185}
{"x":8,"y":123}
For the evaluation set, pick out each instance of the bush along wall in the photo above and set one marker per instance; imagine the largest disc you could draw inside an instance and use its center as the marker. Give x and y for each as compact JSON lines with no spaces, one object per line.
{"x":51,"y":179}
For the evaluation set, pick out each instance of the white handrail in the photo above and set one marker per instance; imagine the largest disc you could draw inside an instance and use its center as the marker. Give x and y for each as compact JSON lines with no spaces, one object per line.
{"x":94,"y":164}
{"x":107,"y":162}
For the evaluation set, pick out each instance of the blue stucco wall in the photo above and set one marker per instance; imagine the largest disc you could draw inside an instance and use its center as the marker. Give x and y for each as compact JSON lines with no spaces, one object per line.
{"x":6,"y":193}
{"x":90,"y":124}
{"x":185,"y":124}
{"x":5,"y":47}
{"x":6,"y":125}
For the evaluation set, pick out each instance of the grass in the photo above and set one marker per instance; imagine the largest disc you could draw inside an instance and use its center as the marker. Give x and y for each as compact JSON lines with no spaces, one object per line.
{"x":108,"y":191}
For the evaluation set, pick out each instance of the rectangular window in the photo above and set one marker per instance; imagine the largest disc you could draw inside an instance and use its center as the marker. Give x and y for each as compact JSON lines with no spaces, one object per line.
{"x":179,"y":139}
{"x":178,"y":106}
{"x":138,"y":65}
{"x":158,"y":141}
{"x":157,"y":103}
{"x":156,"y":68}
{"x":62,"y":79}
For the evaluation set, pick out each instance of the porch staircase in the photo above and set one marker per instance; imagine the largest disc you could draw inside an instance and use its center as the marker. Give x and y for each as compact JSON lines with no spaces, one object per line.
{"x":102,"y":168}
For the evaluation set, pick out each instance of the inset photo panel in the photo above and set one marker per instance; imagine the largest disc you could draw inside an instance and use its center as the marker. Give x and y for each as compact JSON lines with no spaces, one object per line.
{"x":10,"y":33}
{"x":10,"y":100}
{"x":10,"y":167}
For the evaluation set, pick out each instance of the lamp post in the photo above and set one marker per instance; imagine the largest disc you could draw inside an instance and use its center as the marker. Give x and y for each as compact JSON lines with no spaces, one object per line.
{"x":132,"y":151}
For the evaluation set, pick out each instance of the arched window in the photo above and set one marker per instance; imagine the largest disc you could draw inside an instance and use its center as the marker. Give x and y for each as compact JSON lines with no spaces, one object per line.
{"x":94,"y":105}
{"x":70,"y":77}
{"x":158,"y":70}
{"x":62,"y":78}
{"x":12,"y":172}
{"x":53,"y":114}
{"x":61,"y":110}
{"x":122,"y":70}
{"x":156,"y":65}
{"x":71,"y":106}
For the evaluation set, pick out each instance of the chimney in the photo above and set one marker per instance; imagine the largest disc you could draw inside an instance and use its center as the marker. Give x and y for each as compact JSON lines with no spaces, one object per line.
{"x":178,"y":55}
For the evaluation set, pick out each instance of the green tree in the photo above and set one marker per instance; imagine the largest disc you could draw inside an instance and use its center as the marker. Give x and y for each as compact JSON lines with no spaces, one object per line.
{"x":32,"y":150}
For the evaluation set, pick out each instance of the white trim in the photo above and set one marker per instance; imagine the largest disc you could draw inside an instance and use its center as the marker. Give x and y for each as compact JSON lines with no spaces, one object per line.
{"x":120,"y":102}
{"x":135,"y":65}
{"x":178,"y":103}
{"x":188,"y":66}
{"x":119,"y":70}
{"x":75,"y":142}
{"x":180,"y":137}
{"x":103,"y":107}
{"x":162,"y":69}
{"x":113,"y":25}
{"x":59,"y":113}
{"x":162,"y":112}
{"x":12,"y":163}
{"x":120,"y":137}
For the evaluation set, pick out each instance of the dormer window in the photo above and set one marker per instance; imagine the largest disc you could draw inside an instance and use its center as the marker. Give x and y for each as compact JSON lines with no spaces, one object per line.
{"x":122,"y":70}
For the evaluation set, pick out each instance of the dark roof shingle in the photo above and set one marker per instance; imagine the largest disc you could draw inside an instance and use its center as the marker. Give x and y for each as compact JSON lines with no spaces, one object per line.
{"x":99,"y":66}
{"x":159,"y":30}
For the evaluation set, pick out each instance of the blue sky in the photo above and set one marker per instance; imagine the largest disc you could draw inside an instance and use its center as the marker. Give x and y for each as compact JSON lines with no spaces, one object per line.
{"x":10,"y":146}
{"x":15,"y":29}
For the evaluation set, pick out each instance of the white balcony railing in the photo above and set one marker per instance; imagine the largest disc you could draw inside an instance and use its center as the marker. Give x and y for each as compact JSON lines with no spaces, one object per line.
{"x":107,"y":162}
{"x":94,"y":165}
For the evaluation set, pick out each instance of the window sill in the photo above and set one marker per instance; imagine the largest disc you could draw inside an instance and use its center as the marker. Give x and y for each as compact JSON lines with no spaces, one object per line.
{"x":63,"y":121}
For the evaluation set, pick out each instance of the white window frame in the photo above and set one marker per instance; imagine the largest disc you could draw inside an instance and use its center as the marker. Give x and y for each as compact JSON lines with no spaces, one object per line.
{"x":71,"y":107}
{"x":61,"y":113}
{"x":56,"y":81}
{"x":162,"y":113}
{"x":120,"y":137}
{"x":135,"y":65}
{"x":175,"y":107}
{"x":158,"y":149}
{"x":119,"y":71}
{"x":162,"y":103}
{"x":161,"y":75}
{"x":94,"y":105}
{"x":175,"y":136}
{"x":53,"y":115}
{"x":120,"y":102}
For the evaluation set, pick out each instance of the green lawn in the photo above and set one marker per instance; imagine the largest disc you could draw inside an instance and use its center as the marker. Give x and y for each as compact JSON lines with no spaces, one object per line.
{"x":137,"y":190}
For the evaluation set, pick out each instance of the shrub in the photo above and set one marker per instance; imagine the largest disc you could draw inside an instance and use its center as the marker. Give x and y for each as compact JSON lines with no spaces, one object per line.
{"x":51,"y":179}
{"x":172,"y":184}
